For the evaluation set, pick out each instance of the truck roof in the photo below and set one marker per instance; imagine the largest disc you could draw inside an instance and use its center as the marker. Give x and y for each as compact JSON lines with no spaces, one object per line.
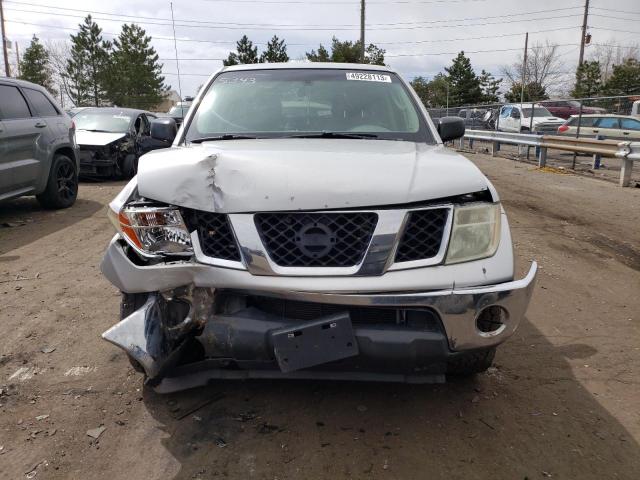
{"x":307,"y":65}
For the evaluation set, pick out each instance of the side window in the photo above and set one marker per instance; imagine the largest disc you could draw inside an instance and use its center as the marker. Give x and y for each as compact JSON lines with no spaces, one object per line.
{"x":515,"y":113}
{"x":146,"y":126}
{"x":505,"y":112}
{"x":607,"y":122}
{"x":629,"y":124}
{"x":42,"y":105}
{"x":12,"y":103}
{"x":585,"y":121}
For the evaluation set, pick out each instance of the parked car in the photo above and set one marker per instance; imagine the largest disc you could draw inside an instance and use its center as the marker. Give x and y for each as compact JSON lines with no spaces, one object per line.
{"x":72,"y":112}
{"x":473,"y":117}
{"x":566,"y":108}
{"x":624,"y":127}
{"x":38,"y":153}
{"x":343,"y":241}
{"x":112,"y":140}
{"x":517,"y":118}
{"x":179,"y":111}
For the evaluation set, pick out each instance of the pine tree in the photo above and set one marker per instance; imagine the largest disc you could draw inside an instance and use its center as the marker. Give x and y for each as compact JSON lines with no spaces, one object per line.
{"x":276,"y":51}
{"x":432,"y":93}
{"x":625,"y":79}
{"x":136,"y":75}
{"x":35,"y":66}
{"x":246,"y":53}
{"x":464,"y":85}
{"x":322,"y":55}
{"x":588,"y":83}
{"x":533,"y":92}
{"x":489,"y":86}
{"x":347,"y":52}
{"x":87,"y":68}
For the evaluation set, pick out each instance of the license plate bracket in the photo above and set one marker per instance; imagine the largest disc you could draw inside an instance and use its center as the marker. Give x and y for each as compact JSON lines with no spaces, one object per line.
{"x":313,"y":343}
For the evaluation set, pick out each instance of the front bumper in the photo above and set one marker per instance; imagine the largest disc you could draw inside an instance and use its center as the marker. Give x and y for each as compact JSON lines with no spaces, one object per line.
{"x":241,"y":338}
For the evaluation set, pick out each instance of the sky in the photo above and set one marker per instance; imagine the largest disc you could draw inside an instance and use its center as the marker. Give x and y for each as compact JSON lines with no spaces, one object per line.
{"x":420,"y":36}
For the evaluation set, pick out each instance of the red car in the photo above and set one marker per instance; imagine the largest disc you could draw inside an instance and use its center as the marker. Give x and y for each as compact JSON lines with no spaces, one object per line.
{"x":566,"y":108}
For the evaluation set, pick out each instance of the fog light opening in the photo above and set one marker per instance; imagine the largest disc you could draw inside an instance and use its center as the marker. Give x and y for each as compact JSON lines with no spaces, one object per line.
{"x":492,"y":320}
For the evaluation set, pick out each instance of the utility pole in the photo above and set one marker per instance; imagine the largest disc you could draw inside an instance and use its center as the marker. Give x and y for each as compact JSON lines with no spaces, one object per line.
{"x":4,"y":42}
{"x":362,"y":31}
{"x":524,"y":69}
{"x":18,"y":59}
{"x":584,"y":31}
{"x":175,"y":46}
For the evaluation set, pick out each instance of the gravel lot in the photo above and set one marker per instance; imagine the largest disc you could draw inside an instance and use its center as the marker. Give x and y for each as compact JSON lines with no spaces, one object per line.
{"x":562,"y":402}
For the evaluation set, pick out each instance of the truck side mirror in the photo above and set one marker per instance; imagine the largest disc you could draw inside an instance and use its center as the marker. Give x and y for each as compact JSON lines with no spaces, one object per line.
{"x":164,"y":129}
{"x":450,"y":128}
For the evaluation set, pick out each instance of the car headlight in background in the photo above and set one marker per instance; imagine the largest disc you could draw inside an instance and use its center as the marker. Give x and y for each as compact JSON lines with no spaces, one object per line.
{"x":153,"y":230}
{"x":475,"y":232}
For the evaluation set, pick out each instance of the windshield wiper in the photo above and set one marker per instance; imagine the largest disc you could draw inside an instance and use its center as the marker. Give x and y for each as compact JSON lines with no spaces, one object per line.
{"x":226,"y":136}
{"x":95,"y":130}
{"x":326,"y":134}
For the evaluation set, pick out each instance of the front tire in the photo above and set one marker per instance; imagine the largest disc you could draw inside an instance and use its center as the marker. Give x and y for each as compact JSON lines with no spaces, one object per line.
{"x":466,"y":364}
{"x":62,"y":186}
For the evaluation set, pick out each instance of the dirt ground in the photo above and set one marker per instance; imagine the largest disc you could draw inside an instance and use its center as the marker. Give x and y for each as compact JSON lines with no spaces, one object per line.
{"x":562,"y":402}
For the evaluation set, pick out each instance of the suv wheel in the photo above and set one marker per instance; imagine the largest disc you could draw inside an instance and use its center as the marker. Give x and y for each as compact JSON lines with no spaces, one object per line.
{"x":62,"y":186}
{"x":469,"y":363}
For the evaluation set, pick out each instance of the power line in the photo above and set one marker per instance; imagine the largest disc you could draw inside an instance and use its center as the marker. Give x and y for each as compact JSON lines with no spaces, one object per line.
{"x":295,"y":28}
{"x":207,"y":22}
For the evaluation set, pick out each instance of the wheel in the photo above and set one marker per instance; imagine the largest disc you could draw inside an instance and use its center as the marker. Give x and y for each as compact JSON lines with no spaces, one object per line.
{"x":129,"y":166}
{"x":62,"y":186}
{"x":130,"y":303}
{"x":469,"y":363}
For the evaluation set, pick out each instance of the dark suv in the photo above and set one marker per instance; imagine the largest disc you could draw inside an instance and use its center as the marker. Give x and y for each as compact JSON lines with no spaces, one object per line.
{"x":38,"y":154}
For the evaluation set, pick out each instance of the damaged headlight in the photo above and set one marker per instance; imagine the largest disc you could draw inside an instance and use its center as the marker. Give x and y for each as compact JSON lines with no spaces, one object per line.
{"x":475,"y":232}
{"x":153,"y":230}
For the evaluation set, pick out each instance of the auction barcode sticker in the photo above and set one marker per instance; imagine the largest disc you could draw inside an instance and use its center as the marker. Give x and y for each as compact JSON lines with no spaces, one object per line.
{"x":368,"y":77}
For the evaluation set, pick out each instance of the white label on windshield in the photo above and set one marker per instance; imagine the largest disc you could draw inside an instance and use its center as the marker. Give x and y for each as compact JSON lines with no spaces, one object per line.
{"x":368,"y":77}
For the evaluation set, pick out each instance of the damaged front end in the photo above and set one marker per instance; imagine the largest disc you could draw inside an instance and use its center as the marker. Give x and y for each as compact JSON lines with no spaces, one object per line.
{"x":209,"y":295}
{"x":106,"y":161}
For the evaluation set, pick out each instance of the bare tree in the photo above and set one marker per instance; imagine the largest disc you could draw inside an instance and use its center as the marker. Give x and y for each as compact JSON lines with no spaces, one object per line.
{"x":611,"y":53}
{"x":59,"y":53}
{"x":543,"y":67}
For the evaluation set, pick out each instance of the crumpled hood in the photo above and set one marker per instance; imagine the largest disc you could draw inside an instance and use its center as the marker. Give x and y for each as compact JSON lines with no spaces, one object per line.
{"x":83,"y":137}
{"x":304,"y":174}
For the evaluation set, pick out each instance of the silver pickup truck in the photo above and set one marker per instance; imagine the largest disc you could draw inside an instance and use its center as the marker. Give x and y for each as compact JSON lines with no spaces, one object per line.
{"x":308,"y":222}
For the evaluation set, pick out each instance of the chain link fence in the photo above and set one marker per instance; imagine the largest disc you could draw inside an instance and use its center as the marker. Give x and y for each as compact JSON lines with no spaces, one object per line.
{"x":584,"y":116}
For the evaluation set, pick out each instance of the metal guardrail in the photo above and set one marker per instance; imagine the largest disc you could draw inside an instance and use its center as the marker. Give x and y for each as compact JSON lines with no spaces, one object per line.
{"x":628,"y":152}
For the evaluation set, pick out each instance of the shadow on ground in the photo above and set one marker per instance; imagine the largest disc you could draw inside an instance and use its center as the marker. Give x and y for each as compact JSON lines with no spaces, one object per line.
{"x":527,"y":418}
{"x":23,"y":221}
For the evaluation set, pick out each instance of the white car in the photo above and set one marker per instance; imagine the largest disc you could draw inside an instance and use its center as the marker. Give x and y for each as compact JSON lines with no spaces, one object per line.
{"x":517,"y":118}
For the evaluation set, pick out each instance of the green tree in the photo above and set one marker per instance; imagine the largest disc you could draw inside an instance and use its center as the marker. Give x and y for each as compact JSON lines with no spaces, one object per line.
{"x":421,"y":87}
{"x":533,"y":92}
{"x":88,"y":64}
{"x":135,"y":75}
{"x":246,"y":53}
{"x":276,"y":51}
{"x":588,"y":83}
{"x":464,"y":85}
{"x":489,"y":86}
{"x":432,"y":93}
{"x":322,"y":55}
{"x":347,"y":52}
{"x":625,"y":79}
{"x":35,"y":66}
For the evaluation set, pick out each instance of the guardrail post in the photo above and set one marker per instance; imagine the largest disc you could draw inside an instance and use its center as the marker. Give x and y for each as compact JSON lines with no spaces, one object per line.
{"x":471,"y":144}
{"x":596,"y":156}
{"x":542,"y":156}
{"x":495,"y":147}
{"x":461,"y":143}
{"x":625,"y":172}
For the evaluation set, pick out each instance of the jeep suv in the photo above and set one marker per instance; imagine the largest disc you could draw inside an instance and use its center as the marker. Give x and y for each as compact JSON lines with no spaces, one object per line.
{"x":38,"y":154}
{"x":308,"y":222}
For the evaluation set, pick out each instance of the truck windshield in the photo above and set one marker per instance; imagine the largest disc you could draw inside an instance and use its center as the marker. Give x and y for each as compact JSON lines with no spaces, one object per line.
{"x":294,"y":102}
{"x":537,"y":112}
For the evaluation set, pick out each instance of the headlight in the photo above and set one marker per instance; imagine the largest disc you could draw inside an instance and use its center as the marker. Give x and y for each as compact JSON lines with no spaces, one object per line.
{"x":475,"y":232}
{"x":153,"y":230}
